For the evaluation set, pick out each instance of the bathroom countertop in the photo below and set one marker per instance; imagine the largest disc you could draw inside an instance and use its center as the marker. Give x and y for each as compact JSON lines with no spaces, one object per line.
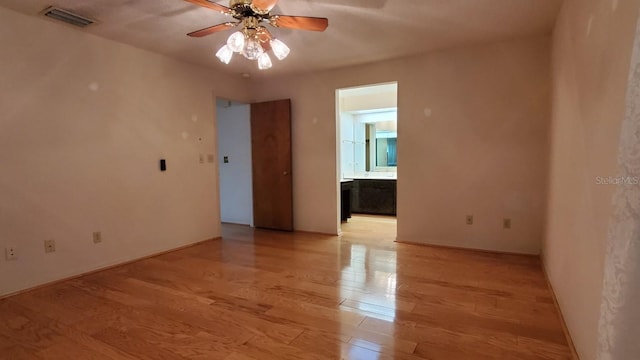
{"x":371,"y":177}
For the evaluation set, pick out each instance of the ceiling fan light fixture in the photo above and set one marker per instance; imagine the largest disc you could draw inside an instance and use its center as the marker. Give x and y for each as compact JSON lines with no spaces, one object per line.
{"x":253,"y":41}
{"x":264,"y":61}
{"x":280,"y":49}
{"x":224,"y":54}
{"x":236,"y":41}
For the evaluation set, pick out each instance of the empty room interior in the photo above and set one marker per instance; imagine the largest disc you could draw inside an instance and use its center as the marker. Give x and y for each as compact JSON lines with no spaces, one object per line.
{"x":319,"y":179}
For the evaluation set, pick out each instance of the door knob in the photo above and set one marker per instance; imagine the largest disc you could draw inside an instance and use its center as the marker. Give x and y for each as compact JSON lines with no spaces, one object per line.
{"x":285,"y":173}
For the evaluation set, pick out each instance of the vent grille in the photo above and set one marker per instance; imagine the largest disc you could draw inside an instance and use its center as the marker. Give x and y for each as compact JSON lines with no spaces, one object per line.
{"x":66,"y":16}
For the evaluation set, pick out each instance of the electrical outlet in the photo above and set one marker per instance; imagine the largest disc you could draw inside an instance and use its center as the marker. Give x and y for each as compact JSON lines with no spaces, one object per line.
{"x":469,"y":219}
{"x":97,"y":237}
{"x":11,"y":253}
{"x":506,"y":223}
{"x":49,"y":246}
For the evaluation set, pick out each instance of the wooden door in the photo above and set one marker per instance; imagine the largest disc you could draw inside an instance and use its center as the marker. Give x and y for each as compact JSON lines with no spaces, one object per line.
{"x":271,"y":160}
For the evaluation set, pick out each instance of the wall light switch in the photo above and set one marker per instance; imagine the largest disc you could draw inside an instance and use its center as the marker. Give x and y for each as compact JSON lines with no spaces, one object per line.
{"x":506,"y":223}
{"x":226,"y":159}
{"x":469,"y":220}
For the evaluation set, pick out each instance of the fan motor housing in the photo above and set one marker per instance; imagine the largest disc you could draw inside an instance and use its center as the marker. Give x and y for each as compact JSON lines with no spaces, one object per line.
{"x":234,"y":3}
{"x":244,"y":8}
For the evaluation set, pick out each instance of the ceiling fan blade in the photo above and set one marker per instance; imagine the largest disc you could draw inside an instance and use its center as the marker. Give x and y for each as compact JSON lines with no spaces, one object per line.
{"x":264,"y":5}
{"x":211,"y":5}
{"x":367,"y":4}
{"x":263,"y":34}
{"x":211,"y":29}
{"x":299,"y":22}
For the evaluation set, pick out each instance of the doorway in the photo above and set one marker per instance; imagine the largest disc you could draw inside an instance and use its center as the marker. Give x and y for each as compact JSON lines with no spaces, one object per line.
{"x":234,"y":161}
{"x":254,"y":163}
{"x":367,"y":138}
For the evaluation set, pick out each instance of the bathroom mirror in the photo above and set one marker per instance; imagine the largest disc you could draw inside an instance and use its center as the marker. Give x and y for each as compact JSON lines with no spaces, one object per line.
{"x":381,"y":149}
{"x":386,"y":155}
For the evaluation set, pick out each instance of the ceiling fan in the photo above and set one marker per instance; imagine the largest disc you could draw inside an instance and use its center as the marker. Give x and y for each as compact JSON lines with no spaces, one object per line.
{"x":254,"y":39}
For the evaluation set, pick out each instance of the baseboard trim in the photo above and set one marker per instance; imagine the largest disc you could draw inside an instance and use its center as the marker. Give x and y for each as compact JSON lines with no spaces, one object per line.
{"x":497,"y":252}
{"x":286,"y":231}
{"x":565,"y":329}
{"x":317,"y":233}
{"x":108,"y":267}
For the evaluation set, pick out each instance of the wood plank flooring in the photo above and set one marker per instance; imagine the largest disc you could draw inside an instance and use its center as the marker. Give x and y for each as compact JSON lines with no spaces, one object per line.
{"x":269,"y":295}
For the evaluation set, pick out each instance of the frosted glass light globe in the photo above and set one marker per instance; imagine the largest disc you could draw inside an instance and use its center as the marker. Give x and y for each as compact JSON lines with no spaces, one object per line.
{"x":264,"y":61}
{"x":280,"y":50}
{"x":252,"y":49}
{"x":235,"y":42}
{"x":224,"y":54}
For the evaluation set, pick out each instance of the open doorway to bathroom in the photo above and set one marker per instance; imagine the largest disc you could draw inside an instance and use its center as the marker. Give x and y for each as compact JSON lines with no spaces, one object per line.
{"x":367,"y":138}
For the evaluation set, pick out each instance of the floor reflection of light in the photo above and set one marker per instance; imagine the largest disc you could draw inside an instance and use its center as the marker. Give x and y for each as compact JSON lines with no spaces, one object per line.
{"x":391,"y":285}
{"x":368,"y":281}
{"x":358,"y":255}
{"x":371,"y":281}
{"x":356,"y":352}
{"x":368,"y":287}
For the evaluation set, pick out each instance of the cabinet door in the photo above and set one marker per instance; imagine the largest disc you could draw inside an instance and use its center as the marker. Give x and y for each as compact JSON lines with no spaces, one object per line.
{"x":359,"y":157}
{"x":359,"y":131}
{"x":347,"y":166}
{"x":374,"y":197}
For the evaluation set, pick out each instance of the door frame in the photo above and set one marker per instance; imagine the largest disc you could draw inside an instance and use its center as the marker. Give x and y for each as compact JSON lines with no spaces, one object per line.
{"x":338,"y":157}
{"x":219,"y":162}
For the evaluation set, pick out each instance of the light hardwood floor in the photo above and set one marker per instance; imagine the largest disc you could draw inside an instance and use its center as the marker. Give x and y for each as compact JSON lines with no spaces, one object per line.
{"x":269,"y":295}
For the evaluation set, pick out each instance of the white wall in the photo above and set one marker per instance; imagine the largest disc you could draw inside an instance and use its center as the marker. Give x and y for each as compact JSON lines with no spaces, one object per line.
{"x":364,"y":99}
{"x":592,"y":45}
{"x":234,"y":141}
{"x":84,"y":122}
{"x":473,"y":124}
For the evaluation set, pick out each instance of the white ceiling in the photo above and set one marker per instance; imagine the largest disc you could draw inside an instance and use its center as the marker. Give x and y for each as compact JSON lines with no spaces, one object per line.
{"x":360,"y":31}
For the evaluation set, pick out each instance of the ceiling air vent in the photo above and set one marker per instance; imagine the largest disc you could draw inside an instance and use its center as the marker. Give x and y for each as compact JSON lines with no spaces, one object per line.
{"x":66,"y":16}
